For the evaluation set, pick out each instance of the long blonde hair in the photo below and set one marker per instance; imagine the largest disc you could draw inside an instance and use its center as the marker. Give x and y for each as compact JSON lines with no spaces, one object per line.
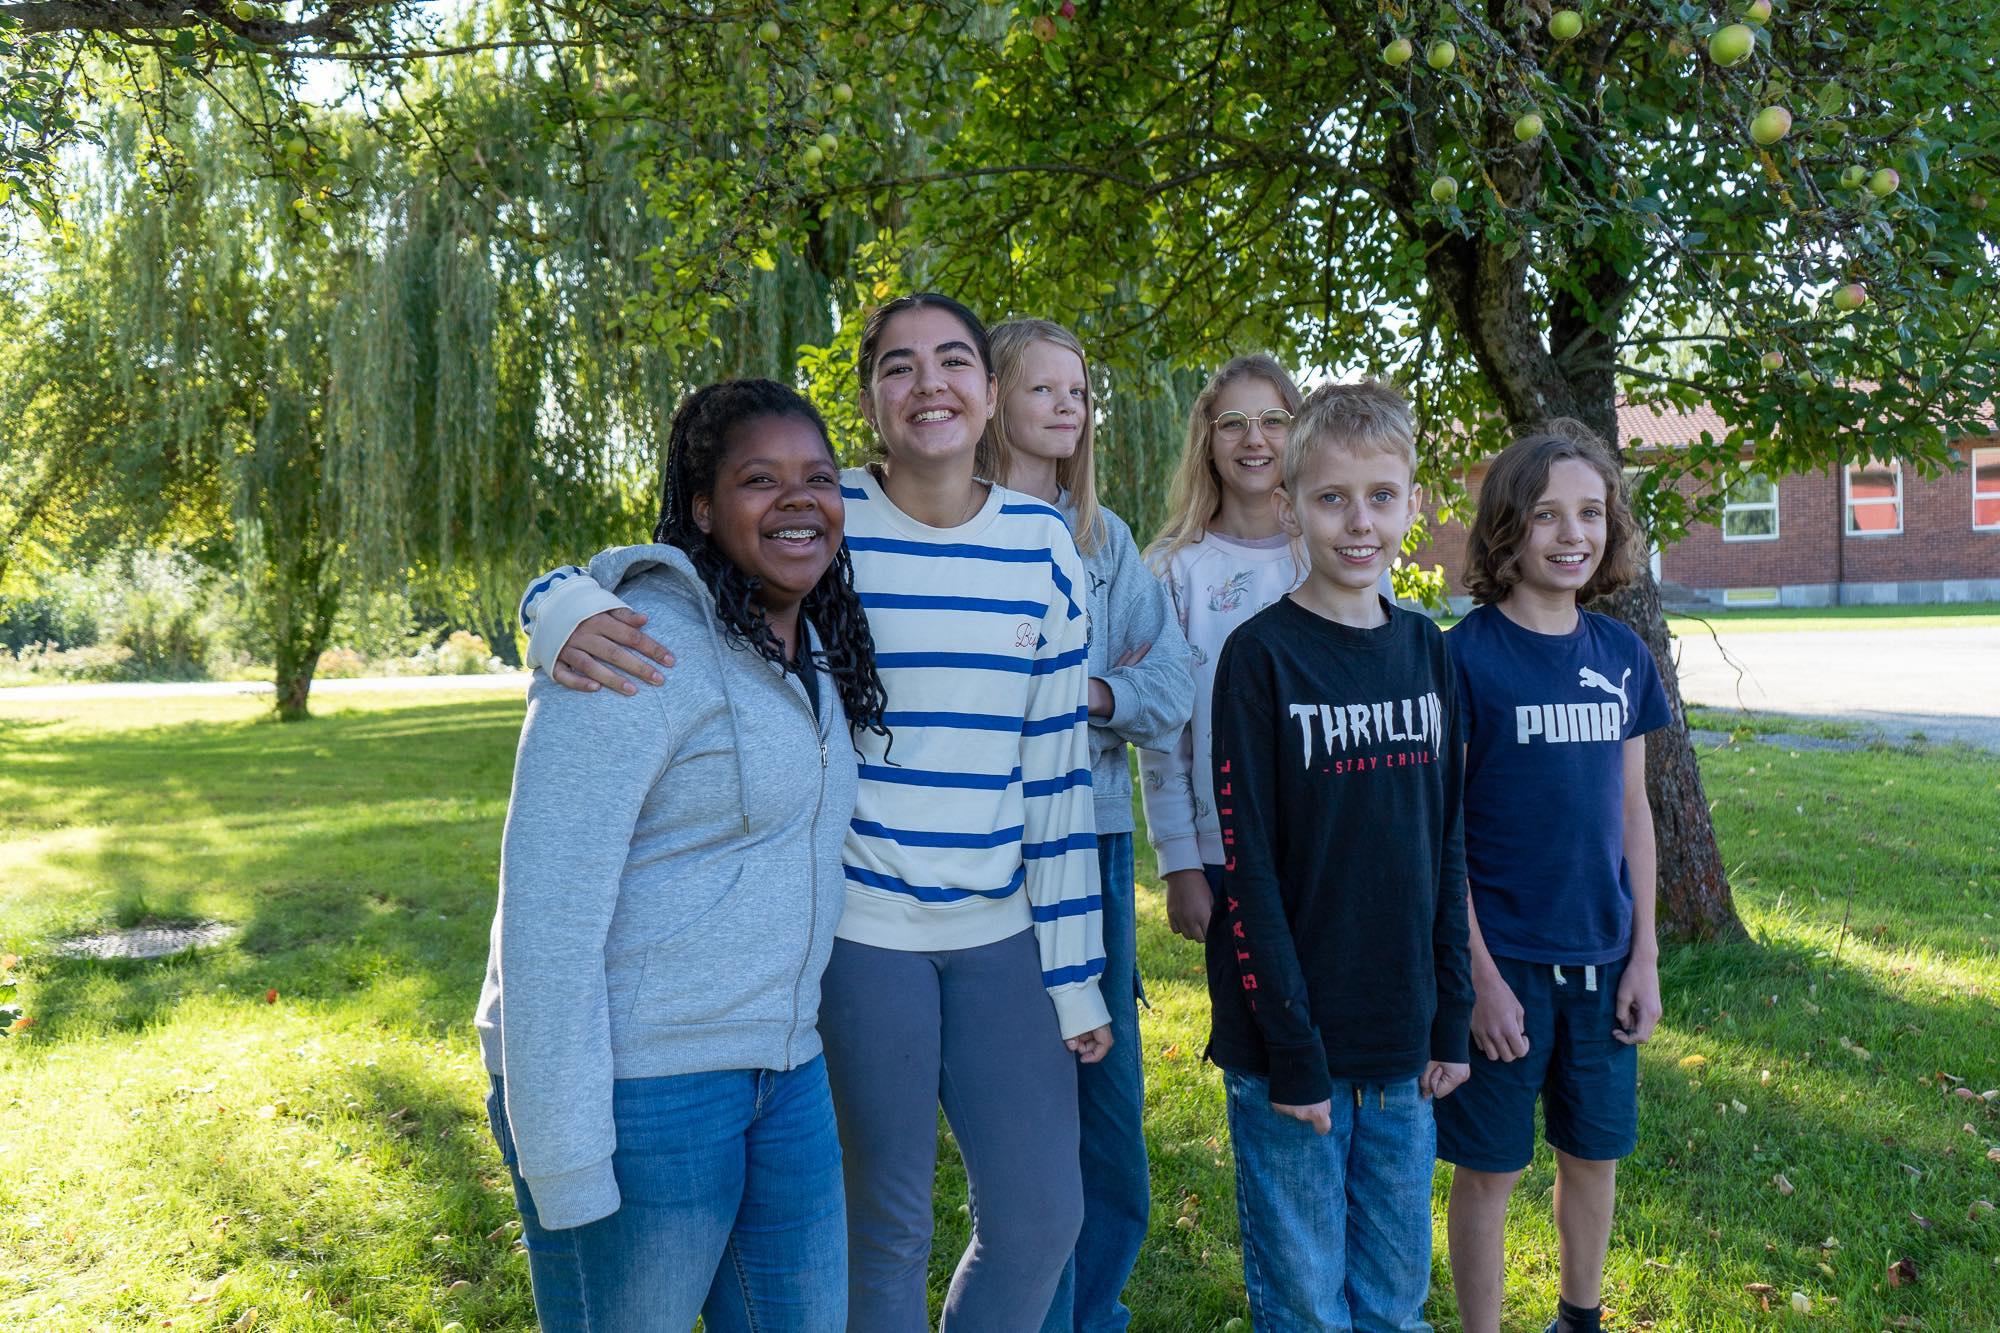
{"x":1077,"y":474}
{"x":1196,"y":496}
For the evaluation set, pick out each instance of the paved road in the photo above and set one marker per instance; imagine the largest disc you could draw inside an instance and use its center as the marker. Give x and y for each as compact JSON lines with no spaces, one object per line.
{"x":513,"y":680}
{"x":1944,"y":683}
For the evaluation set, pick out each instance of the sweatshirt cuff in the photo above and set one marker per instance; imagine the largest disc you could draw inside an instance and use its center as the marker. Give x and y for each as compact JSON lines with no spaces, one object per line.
{"x":1298,"y":1074}
{"x":1080,"y":1009}
{"x":1182,"y":851}
{"x":572,"y":1198}
{"x":560,"y":611}
{"x":1451,"y":1034}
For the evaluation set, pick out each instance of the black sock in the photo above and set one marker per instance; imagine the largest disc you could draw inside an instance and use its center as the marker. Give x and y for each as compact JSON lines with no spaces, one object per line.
{"x":1576,"y":1319}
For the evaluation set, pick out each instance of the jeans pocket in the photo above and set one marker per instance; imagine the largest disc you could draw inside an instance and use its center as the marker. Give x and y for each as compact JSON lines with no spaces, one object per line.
{"x":496,"y":1121}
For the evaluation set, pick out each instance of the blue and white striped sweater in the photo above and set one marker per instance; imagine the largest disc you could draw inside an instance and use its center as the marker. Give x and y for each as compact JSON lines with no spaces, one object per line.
{"x":974,"y":819}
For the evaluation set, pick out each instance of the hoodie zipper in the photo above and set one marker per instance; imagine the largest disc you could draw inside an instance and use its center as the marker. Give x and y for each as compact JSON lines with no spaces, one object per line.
{"x":820,"y":723}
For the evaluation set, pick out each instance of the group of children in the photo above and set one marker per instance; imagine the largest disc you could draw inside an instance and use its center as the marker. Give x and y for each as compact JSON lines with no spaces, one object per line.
{"x":1420,"y":863}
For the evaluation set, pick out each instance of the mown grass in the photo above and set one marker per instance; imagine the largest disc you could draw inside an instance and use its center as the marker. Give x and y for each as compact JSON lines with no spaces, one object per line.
{"x":179,"y":1145}
{"x":1791,"y":618}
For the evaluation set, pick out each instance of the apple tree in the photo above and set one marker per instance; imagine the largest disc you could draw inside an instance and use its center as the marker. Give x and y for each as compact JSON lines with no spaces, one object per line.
{"x":1783,"y":211}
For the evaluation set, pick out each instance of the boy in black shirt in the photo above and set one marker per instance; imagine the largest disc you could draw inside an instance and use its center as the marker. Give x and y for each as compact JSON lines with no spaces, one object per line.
{"x":1337,"y":964}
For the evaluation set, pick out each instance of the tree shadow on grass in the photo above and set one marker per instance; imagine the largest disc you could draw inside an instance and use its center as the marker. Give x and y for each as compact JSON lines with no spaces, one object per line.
{"x":345,"y":864}
{"x":1866,"y":1140}
{"x":374,"y":1192}
{"x":184,"y":770}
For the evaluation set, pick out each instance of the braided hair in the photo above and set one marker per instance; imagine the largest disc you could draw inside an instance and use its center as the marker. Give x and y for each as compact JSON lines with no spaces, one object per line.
{"x":696,"y":444}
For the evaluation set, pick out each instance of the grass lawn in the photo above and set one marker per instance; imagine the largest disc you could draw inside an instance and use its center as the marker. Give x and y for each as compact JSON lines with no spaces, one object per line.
{"x":1969,"y":615}
{"x":291,"y":1122}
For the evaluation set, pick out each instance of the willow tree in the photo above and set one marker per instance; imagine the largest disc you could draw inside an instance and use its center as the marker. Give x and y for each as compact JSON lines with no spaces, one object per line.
{"x":382,"y":370}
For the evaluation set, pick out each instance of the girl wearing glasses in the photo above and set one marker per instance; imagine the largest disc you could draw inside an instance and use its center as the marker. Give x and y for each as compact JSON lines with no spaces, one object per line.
{"x":1223,"y":558}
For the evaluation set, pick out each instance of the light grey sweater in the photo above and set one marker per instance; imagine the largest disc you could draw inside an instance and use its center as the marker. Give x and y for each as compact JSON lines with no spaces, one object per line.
{"x":670,"y":881}
{"x":1152,"y":698}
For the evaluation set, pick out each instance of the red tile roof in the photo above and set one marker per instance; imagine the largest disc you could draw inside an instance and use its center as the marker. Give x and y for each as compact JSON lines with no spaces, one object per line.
{"x":1658,"y":426}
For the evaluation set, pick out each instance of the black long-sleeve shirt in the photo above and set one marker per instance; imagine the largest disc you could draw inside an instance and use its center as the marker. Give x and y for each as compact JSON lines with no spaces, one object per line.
{"x":1339,"y":949}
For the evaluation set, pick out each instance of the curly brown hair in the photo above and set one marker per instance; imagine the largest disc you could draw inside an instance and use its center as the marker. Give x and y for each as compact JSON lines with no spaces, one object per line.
{"x":1507,"y":499}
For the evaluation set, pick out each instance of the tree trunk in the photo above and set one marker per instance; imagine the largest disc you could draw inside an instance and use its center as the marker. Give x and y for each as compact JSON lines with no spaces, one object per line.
{"x":300,"y":603}
{"x":1694,"y":898}
{"x":1560,"y":364}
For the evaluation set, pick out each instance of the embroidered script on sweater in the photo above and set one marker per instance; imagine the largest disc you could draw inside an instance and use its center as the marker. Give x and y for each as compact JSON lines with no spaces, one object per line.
{"x":1344,"y":728}
{"x":1567,"y":723}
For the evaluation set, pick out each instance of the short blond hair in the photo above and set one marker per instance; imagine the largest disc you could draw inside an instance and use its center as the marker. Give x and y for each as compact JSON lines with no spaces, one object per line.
{"x":1370,"y":417}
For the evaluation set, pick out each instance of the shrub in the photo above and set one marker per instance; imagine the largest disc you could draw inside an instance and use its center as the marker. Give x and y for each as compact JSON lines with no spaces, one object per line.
{"x":159,"y":616}
{"x":463,"y":653}
{"x":341,"y":664}
{"x":45,"y":662}
{"x":56,"y":616}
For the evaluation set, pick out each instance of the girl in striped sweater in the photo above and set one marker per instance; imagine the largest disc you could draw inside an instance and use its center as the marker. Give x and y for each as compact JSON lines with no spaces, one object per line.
{"x":970,"y":948}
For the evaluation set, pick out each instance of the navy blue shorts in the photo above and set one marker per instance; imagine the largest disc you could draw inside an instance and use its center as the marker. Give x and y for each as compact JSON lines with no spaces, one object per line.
{"x":1588,"y":1080}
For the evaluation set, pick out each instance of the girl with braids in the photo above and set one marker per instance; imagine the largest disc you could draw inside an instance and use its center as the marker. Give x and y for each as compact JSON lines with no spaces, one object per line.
{"x":1141,"y":691}
{"x":651,"y":993}
{"x":969,"y":950}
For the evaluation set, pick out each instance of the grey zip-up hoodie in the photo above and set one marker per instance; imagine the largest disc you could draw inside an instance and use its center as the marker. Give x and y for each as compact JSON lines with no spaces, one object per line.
{"x":669,"y":884}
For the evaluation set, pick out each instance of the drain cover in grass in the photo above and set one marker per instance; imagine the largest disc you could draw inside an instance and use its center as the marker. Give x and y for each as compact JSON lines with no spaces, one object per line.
{"x":147,"y":941}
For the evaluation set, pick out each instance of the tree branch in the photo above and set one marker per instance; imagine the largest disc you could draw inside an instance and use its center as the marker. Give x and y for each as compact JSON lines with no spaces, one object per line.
{"x":328,"y":26}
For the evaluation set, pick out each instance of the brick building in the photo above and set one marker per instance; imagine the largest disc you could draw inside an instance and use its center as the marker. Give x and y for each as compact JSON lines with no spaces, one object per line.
{"x":1871,"y":532}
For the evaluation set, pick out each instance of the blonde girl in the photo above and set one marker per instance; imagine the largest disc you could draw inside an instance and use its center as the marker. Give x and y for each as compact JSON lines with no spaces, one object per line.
{"x":1039,"y":443}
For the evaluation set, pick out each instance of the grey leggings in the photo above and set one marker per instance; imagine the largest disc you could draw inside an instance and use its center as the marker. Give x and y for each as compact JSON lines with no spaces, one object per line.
{"x":972,"y":1029}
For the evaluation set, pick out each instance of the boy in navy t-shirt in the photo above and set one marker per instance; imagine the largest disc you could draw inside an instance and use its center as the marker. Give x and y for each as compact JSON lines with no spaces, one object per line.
{"x":1560,"y":862}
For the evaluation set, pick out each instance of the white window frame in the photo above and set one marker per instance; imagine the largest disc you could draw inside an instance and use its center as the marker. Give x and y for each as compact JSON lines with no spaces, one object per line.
{"x":1731,"y":506}
{"x":1848,"y":502}
{"x":1978,"y":495}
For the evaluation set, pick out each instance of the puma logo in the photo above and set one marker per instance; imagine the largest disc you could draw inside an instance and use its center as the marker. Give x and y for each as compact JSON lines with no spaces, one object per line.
{"x":1592,"y":680}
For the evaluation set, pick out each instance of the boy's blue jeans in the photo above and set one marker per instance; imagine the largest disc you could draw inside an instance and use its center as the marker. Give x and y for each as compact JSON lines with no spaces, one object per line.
{"x":1336,"y":1227}
{"x":1111,"y":1102}
{"x":731,"y":1207}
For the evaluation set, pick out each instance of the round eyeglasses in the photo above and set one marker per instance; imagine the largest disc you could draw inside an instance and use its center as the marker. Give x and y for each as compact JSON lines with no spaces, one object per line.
{"x":1272,"y":421}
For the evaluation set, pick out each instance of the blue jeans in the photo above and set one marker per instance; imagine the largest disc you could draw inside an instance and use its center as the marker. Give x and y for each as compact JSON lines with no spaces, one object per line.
{"x":730,"y":1207}
{"x":1111,"y":1102}
{"x":1336,"y":1227}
